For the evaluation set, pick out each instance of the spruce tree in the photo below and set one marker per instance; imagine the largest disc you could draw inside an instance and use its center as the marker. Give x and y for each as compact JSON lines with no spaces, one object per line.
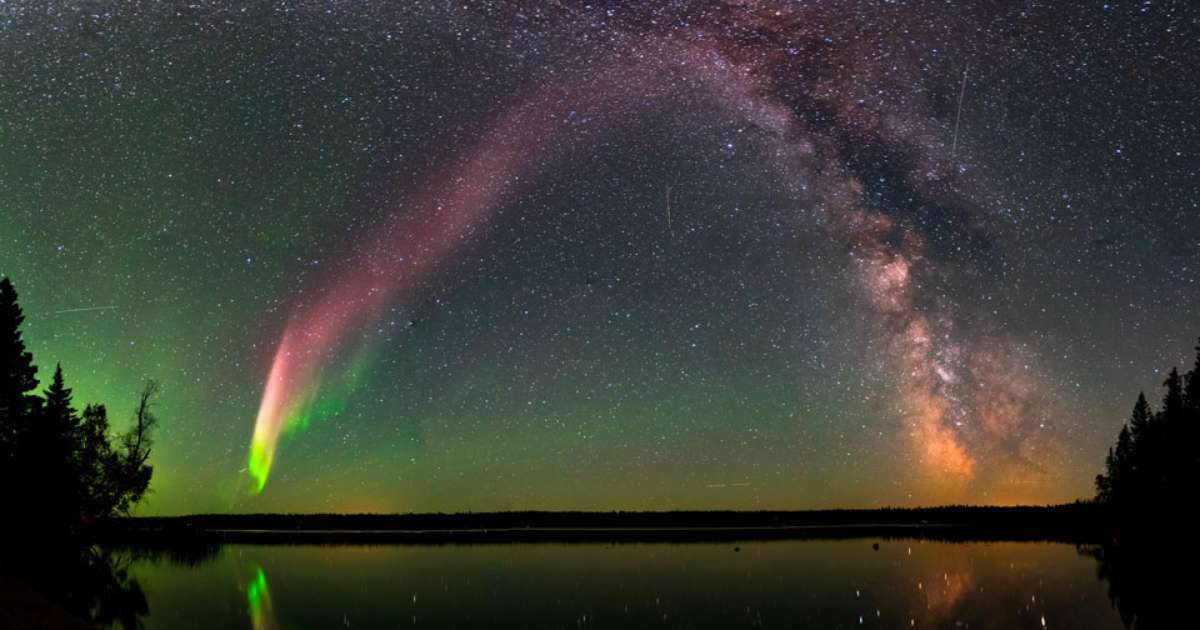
{"x":1122,"y":474}
{"x":1172,"y":448}
{"x":17,"y":404}
{"x":1172,"y":410}
{"x":17,"y":373}
{"x":1191,"y":389}
{"x":1104,"y":479}
{"x":54,"y":444}
{"x":1141,"y":430}
{"x":58,"y":396}
{"x":1125,"y":466}
{"x":1139,"y":420}
{"x":1190,"y":438}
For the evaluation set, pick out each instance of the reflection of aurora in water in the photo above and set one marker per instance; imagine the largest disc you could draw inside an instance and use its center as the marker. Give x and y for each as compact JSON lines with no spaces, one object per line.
{"x":258,"y":599}
{"x":815,"y":583}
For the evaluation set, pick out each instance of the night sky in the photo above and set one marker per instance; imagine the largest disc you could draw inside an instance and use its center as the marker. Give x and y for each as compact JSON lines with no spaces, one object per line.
{"x":621,"y":255}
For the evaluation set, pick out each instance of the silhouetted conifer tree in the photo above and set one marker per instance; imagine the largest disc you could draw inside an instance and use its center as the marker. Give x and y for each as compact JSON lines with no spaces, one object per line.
{"x":1113,"y":485}
{"x":17,"y":402}
{"x":17,"y":373}
{"x":1171,"y":450}
{"x":1191,"y":388}
{"x":1114,"y":465}
{"x":1155,"y":463}
{"x":1142,"y":429}
{"x":53,"y":445}
{"x":1190,"y":440}
{"x":1139,"y":420}
{"x":1172,"y":409}
{"x":59,"y":468}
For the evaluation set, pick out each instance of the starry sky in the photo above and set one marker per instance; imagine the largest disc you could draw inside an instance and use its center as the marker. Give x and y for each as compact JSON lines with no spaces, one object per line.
{"x":472,"y":255}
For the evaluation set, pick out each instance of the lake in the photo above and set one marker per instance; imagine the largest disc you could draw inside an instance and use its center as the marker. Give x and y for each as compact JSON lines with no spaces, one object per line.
{"x":792,"y":583}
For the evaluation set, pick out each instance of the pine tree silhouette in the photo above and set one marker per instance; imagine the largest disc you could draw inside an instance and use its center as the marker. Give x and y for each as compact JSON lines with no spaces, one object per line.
{"x":1154,"y":465}
{"x":60,"y":469}
{"x":1191,"y":388}
{"x":1139,"y":420}
{"x":18,"y":405}
{"x":17,"y":374}
{"x":1172,"y":409}
{"x":1114,"y":484}
{"x":53,"y":442}
{"x":1190,"y":433}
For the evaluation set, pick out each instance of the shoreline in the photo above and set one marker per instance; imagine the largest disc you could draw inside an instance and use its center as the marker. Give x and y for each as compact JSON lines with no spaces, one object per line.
{"x":1072,"y":523}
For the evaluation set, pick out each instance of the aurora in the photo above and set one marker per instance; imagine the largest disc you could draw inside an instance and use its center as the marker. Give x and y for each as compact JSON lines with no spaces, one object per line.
{"x":405,"y":252}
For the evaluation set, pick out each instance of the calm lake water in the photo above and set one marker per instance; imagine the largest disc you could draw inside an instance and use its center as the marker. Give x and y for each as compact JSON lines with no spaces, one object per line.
{"x":808,"y":584}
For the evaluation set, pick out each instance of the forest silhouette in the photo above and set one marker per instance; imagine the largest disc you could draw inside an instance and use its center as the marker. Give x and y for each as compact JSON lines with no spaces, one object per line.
{"x":1155,"y":463}
{"x":66,"y":475}
{"x":1150,"y":476}
{"x":65,"y":468}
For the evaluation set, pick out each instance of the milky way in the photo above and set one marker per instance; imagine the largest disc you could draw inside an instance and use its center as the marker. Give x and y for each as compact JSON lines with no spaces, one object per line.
{"x":700,"y":254}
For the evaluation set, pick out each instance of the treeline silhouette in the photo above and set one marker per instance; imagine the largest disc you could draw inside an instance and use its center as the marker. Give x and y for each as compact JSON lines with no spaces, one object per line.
{"x":63,"y":469}
{"x":1155,"y":463}
{"x":619,"y":519}
{"x":1077,"y":522}
{"x":1150,"y":477}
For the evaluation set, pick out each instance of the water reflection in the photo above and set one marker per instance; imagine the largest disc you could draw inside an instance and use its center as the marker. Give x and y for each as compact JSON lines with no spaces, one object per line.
{"x":817,"y":583}
{"x":1149,"y":581}
{"x":258,"y":599}
{"x":824,"y":583}
{"x":90,"y":584}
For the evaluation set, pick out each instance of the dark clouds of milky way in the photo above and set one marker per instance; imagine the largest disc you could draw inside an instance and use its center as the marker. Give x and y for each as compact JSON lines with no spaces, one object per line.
{"x":504,"y":255}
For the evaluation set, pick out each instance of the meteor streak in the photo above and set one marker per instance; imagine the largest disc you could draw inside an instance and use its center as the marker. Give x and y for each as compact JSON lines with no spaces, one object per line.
{"x":85,"y":309}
